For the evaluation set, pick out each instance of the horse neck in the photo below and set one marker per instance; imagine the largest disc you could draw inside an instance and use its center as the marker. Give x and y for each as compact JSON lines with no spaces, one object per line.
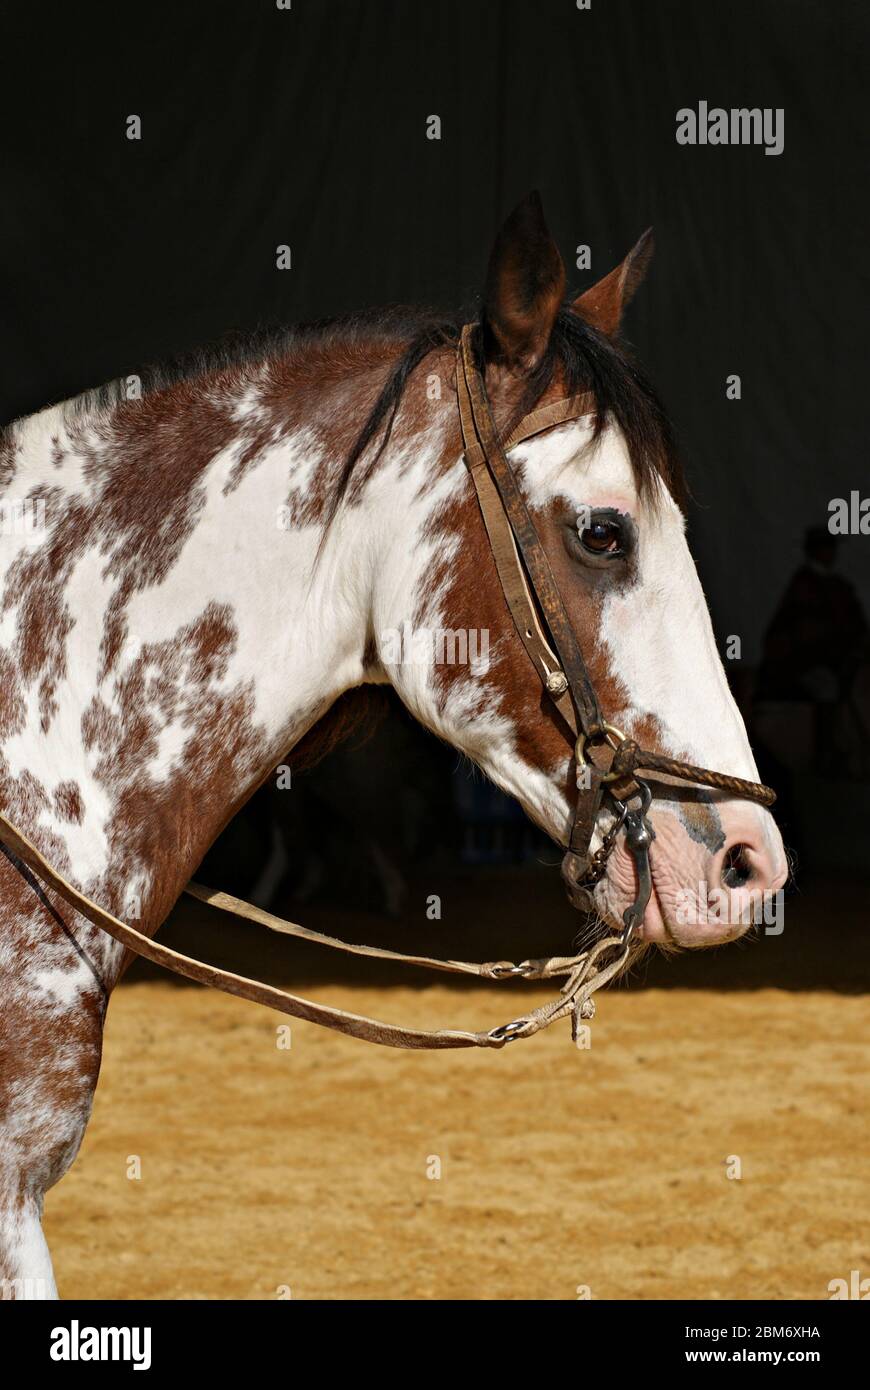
{"x":167,"y":637}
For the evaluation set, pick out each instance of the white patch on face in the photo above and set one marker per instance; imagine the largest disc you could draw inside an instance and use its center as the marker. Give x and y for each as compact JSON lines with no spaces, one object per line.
{"x":657,"y":631}
{"x":658,"y":634}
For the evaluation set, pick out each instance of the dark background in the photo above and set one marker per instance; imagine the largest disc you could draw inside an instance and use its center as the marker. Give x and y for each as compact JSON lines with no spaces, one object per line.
{"x":308,"y":127}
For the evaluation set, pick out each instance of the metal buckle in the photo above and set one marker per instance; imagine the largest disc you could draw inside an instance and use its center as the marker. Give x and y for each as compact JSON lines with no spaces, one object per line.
{"x":610,"y":733}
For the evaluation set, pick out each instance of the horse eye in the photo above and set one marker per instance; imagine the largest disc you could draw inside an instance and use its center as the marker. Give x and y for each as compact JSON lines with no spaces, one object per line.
{"x":602,"y":538}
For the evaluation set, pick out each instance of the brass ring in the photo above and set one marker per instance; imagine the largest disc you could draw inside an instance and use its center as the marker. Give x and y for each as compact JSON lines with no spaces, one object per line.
{"x":611,"y":733}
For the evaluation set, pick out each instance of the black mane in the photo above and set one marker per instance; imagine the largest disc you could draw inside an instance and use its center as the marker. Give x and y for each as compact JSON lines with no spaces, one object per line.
{"x":587,"y":360}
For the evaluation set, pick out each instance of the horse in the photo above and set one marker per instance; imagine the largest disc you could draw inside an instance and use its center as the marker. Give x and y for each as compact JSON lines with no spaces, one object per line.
{"x":226,"y":547}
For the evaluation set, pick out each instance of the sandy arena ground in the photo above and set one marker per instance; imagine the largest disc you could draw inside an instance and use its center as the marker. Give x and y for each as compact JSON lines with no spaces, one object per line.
{"x":306,"y":1168}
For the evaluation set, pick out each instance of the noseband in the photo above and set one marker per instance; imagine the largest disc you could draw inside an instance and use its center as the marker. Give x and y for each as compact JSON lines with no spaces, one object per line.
{"x":545,"y":630}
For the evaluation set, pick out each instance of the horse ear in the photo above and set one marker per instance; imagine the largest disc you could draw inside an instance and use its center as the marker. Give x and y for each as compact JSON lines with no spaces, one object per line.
{"x":604,"y":304}
{"x":525,"y":286}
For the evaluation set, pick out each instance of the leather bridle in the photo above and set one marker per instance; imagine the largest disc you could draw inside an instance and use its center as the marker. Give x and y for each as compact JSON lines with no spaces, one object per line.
{"x":532,"y":595}
{"x":542,"y":622}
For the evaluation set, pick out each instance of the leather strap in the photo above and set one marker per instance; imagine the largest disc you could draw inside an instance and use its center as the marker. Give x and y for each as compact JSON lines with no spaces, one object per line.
{"x":579,"y":969}
{"x":512,"y":576}
{"x":544,"y":968}
{"x":510,"y":526}
{"x":510,"y":529}
{"x":546,"y":416}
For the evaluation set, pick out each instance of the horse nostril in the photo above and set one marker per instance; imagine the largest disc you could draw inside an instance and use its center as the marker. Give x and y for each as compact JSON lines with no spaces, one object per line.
{"x":737,"y":868}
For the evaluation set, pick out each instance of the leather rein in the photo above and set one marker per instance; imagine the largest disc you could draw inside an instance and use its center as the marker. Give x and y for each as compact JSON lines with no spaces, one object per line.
{"x":542,"y":622}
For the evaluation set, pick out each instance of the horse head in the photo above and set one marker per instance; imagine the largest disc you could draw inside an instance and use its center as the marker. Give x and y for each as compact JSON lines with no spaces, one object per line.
{"x":604,"y":493}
